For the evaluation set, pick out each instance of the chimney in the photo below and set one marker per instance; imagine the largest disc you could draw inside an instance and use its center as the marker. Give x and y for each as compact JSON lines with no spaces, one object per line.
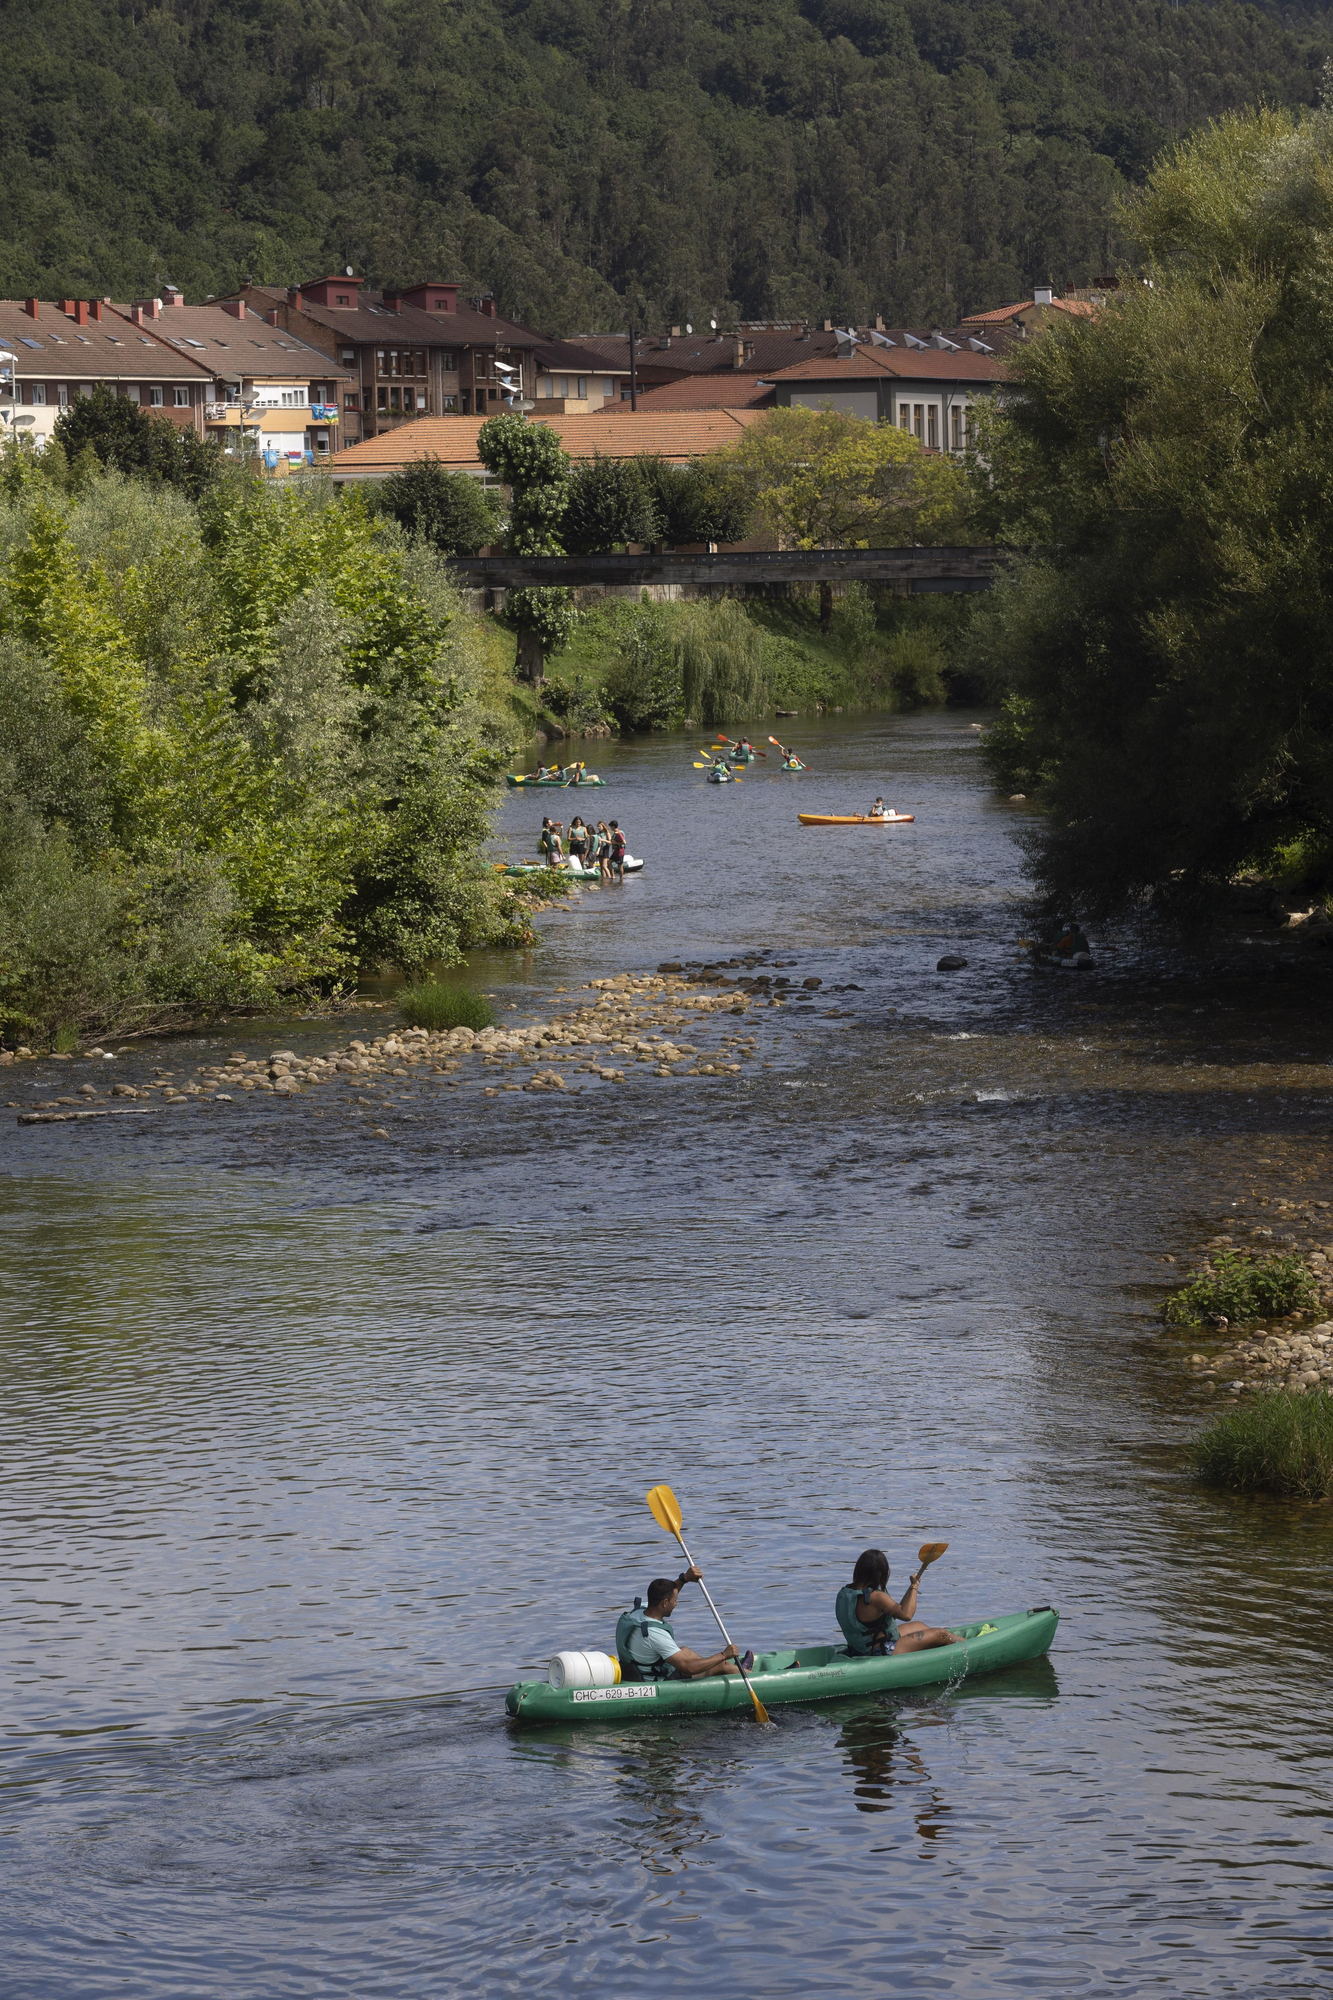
{"x":67,"y":307}
{"x":172,"y":296}
{"x":828,"y":326}
{"x":136,"y":315}
{"x":488,"y":306}
{"x":294,"y":298}
{"x":32,"y":307}
{"x":1041,"y":295}
{"x":675,"y":333}
{"x":81,"y":312}
{"x":95,"y":307}
{"x":393,"y":302}
{"x":236,"y":307}
{"x":879,"y":322}
{"x":738,"y":352}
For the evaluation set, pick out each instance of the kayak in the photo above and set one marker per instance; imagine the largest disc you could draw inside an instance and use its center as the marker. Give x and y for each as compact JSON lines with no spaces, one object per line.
{"x":632,"y":867}
{"x":806,"y":1673}
{"x":856,"y":819}
{"x":532,"y":784}
{"x":793,"y":764}
{"x":745,"y":757}
{"x":720,"y":775}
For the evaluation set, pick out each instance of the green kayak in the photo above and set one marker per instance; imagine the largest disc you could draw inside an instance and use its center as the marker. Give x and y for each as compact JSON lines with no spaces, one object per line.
{"x":532,"y":784}
{"x":811,"y":1673}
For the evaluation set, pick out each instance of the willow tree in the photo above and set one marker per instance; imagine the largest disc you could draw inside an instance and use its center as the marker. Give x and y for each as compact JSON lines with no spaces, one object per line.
{"x":1167,"y":658}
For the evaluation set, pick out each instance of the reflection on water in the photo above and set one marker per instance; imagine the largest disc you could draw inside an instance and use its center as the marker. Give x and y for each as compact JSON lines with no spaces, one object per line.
{"x":308,"y":1435}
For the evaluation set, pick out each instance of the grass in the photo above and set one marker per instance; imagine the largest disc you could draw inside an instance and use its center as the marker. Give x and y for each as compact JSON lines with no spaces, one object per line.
{"x":1281,"y":1443}
{"x":437,"y":1003}
{"x":1242,"y":1288}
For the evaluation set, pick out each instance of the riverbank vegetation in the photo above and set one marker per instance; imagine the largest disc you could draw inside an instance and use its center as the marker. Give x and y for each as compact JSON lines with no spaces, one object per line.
{"x":1280,"y":1442}
{"x":728,"y":661}
{"x":1236,"y":1287}
{"x":1163,"y":662}
{"x":248,"y":744}
{"x":439,"y":1004}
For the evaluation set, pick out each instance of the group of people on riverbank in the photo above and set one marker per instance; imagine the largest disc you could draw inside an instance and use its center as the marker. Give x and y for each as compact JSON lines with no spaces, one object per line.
{"x":601,"y":847}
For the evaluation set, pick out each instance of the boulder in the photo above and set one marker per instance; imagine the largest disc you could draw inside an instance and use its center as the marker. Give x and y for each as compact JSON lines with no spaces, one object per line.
{"x":951,"y":962}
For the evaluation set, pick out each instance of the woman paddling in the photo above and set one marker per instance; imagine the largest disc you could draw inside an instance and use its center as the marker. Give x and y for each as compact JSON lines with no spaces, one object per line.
{"x":868,"y":1615}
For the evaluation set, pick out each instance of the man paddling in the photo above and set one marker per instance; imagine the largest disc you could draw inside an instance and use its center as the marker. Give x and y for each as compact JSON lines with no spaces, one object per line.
{"x":649,"y":1650}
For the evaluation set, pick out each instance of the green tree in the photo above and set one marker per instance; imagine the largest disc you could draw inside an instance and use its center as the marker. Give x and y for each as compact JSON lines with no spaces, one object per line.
{"x":709,"y":501}
{"x":608,"y":505}
{"x":530,"y":460}
{"x":451,"y":510}
{"x":823,"y":480}
{"x":1165,"y":660}
{"x":129,"y":439}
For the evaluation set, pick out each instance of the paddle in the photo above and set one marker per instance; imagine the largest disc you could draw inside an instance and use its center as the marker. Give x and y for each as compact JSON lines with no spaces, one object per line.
{"x":666,"y":1512}
{"x":928,"y":1553}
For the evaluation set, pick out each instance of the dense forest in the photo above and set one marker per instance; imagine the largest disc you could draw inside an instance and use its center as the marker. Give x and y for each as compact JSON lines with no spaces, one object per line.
{"x":583,"y":161}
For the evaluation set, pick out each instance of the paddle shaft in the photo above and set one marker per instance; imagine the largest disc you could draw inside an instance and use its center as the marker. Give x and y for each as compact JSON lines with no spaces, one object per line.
{"x":726,"y":1636}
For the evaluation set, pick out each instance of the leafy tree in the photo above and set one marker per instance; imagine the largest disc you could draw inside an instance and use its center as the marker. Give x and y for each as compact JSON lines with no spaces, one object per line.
{"x":1165,"y":659}
{"x":823,"y":480}
{"x":609,"y":504}
{"x":709,"y":501}
{"x":531,"y":462}
{"x":129,"y":439}
{"x":454,"y":513}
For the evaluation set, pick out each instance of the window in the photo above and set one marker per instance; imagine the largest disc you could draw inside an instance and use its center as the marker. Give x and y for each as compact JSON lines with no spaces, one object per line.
{"x":182,"y":399}
{"x":418,"y":361}
{"x":351,"y":402}
{"x":904,"y":416}
{"x":381,"y":400}
{"x":293,"y":399}
{"x":583,"y":387}
{"x":918,"y":414}
{"x":349,"y":357}
{"x":395,"y":402}
{"x":341,"y":299}
{"x":956,"y":427}
{"x":608,"y":387}
{"x":544,"y":386}
{"x":155,"y":398}
{"x":38,"y":394}
{"x":62,"y":396}
{"x":449,"y":363}
{"x":449,"y":404}
{"x":933,"y":426}
{"x":131,"y":391}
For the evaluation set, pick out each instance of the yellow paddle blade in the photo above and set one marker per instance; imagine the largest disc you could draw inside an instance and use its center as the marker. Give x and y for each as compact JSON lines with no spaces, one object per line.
{"x":761,"y":1713}
{"x":930,"y":1552}
{"x":666,"y":1510}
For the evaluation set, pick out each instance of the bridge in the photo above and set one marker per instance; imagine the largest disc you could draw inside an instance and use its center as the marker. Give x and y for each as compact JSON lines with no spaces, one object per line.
{"x":911,"y":570}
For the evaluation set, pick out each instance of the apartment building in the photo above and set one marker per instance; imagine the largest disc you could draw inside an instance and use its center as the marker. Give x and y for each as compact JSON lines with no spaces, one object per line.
{"x":272,"y":393}
{"x":62,"y":348}
{"x":925,"y":384}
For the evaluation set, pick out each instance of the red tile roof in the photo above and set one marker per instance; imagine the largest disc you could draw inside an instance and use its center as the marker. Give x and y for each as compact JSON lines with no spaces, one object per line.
{"x":109,"y":349}
{"x":674,"y":434}
{"x":1079,"y":308}
{"x":933,"y":364}
{"x":229,"y":346}
{"x":731,"y":390}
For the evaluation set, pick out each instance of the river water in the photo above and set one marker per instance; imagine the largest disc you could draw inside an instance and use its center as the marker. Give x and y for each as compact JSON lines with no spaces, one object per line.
{"x":313,"y":1441}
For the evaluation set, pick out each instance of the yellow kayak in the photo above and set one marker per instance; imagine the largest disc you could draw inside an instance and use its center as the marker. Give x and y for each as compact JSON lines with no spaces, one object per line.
{"x":856,"y":819}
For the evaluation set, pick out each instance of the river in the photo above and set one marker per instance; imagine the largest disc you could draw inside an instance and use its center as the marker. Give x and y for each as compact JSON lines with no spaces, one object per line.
{"x":314,"y":1441}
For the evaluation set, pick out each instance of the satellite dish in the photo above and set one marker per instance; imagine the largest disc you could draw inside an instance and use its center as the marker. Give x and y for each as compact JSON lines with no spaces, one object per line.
{"x":348,"y":269}
{"x":713,"y":324}
{"x":688,"y":327}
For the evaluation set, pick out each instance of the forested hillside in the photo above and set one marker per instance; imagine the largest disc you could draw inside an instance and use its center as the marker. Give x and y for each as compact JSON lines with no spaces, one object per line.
{"x":583,"y":158}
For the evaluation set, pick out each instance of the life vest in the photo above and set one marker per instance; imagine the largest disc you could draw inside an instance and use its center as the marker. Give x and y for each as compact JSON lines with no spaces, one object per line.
{"x":862,"y":1639}
{"x":637,"y":1620}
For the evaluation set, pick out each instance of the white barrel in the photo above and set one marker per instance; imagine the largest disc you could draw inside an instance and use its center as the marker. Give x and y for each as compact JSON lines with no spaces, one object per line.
{"x":583,"y":1670}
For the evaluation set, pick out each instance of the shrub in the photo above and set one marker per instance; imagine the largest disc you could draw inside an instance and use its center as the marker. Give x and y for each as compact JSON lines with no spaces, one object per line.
{"x":453,"y":512}
{"x":723,"y":663}
{"x":128,"y":438}
{"x":1241,"y":1288}
{"x":1281,"y":1443}
{"x":609,"y":504}
{"x":915,"y":667}
{"x":438,"y":1003}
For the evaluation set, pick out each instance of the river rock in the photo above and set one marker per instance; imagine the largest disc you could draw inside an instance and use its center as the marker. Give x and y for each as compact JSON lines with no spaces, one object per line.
{"x":951,"y":962}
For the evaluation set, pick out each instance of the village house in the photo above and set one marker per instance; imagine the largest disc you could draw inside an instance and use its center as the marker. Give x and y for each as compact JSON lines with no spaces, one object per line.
{"x":273,"y":394}
{"x":679,"y":436}
{"x":63,"y":349}
{"x":926,"y":384}
{"x":1045,"y":308}
{"x":424,"y":351}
